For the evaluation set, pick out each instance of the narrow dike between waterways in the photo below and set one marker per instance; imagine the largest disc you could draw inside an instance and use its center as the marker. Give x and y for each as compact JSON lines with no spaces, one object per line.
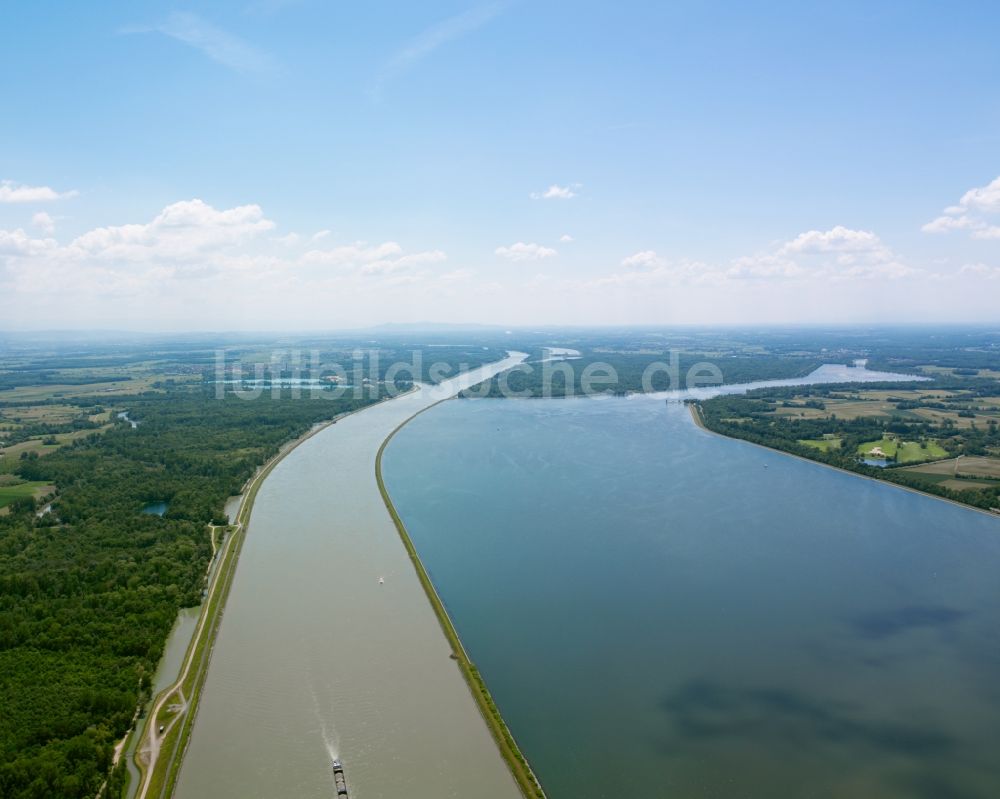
{"x":509,"y":750}
{"x":214,"y":760}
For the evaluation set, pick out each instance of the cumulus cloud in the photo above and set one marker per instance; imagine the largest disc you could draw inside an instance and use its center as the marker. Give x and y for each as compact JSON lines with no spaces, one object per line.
{"x":11,"y":192}
{"x":837,"y":239}
{"x":973,"y":213}
{"x":556,"y":192}
{"x":193,"y":255}
{"x":565,"y":238}
{"x":522,"y":251}
{"x":644,"y":259}
{"x":19,"y":243}
{"x":183,"y":230}
{"x":837,"y":254}
{"x":44,"y":223}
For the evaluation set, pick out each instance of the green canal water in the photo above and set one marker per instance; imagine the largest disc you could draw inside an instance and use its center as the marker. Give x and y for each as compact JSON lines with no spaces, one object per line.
{"x":661,"y":612}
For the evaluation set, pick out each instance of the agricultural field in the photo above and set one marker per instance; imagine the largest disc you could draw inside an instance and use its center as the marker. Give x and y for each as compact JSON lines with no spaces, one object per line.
{"x":127,"y":387}
{"x":942,"y":437}
{"x":899,"y":451}
{"x":823,"y":444}
{"x":10,"y":491}
{"x":966,"y":466}
{"x":960,"y":409}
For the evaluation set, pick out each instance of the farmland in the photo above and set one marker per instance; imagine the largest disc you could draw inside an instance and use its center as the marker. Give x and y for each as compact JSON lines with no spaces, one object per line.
{"x":941,"y":436}
{"x":895,"y":449}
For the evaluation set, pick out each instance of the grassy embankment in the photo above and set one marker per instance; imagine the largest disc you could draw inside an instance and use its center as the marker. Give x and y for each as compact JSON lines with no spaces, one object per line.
{"x":518,"y":764}
{"x":163,"y":777}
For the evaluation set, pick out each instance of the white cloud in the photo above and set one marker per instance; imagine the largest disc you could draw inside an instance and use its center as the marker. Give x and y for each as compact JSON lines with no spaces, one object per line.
{"x":525,"y":252}
{"x":404,"y":262}
{"x":986,"y":198}
{"x":353,"y":254}
{"x":646,"y":270}
{"x":834,"y":255}
{"x":319,"y":235}
{"x":971,"y":213}
{"x":177,"y":266}
{"x":19,"y":243}
{"x":380,"y":259}
{"x":565,"y":238}
{"x":837,"y":239}
{"x":217,"y":44}
{"x":11,"y":192}
{"x":555,"y":192}
{"x":431,"y":39}
{"x":44,"y":223}
{"x":981,"y":270}
{"x":644,"y":259}
{"x":183,"y":230}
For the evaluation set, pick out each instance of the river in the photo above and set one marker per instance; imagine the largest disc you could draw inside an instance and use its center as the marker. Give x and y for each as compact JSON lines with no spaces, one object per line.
{"x":663,"y":612}
{"x":316,"y":658}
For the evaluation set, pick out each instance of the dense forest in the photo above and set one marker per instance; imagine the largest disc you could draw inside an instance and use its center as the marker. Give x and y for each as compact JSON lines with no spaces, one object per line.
{"x":90,"y":590}
{"x":623,"y":372}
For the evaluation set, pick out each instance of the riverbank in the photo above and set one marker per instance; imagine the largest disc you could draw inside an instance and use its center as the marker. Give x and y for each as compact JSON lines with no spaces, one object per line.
{"x":696,"y":415}
{"x":509,"y":750}
{"x":158,"y":775}
{"x":670,"y":589}
{"x":329,"y":648}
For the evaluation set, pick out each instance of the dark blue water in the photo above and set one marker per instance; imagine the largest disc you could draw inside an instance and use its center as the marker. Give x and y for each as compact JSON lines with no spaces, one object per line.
{"x":659,"y":615}
{"x":155,"y":508}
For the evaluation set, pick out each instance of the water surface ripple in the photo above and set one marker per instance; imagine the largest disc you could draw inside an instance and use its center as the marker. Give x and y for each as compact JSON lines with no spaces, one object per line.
{"x":659,"y":615}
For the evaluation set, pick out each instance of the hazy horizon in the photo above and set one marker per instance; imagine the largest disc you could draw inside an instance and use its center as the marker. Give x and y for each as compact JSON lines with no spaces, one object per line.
{"x":328,"y":167}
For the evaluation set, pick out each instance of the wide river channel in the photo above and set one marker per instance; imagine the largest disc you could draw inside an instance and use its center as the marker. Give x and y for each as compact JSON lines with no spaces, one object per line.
{"x":316,"y":658}
{"x":662,"y":612}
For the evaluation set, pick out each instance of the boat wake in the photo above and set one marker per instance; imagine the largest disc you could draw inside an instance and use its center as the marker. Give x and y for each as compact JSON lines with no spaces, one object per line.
{"x":330,"y":738}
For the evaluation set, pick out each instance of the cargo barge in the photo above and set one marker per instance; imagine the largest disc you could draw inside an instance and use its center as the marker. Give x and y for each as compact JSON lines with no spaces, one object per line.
{"x":339,"y":781}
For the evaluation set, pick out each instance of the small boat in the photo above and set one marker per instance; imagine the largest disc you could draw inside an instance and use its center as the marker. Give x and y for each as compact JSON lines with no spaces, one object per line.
{"x":339,"y":782}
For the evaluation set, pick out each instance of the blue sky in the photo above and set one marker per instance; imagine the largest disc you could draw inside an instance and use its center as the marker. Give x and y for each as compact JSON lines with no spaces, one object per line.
{"x":332,"y":164}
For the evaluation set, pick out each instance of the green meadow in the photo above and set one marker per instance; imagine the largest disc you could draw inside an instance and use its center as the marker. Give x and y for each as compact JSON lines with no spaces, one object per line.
{"x":904,"y":451}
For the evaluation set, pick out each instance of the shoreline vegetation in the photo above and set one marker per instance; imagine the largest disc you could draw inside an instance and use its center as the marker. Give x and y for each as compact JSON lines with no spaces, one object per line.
{"x":91,"y":584}
{"x":520,"y":769}
{"x":697,"y":416}
{"x":156,"y":783}
{"x":596,"y":372}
